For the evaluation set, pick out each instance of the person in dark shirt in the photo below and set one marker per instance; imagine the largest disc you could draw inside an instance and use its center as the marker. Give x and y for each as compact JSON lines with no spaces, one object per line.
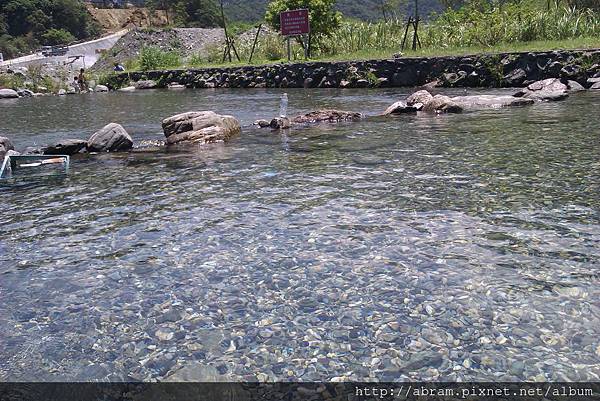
{"x":83,"y":86}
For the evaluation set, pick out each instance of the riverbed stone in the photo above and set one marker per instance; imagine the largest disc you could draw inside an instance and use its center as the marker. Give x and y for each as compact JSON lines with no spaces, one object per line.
{"x":8,"y":94}
{"x":326,"y":115}
{"x":595,"y":86}
{"x":442,"y":104}
{"x":101,"y":88}
{"x":490,"y":101}
{"x":280,"y":123}
{"x":145,"y":84}
{"x":551,"y":89}
{"x":400,"y":107}
{"x":5,"y":146}
{"x":65,"y":147}
{"x":111,"y":138}
{"x":200,"y":127}
{"x":421,"y":96}
{"x":262,"y":123}
{"x":574,"y":86}
{"x":197,"y":372}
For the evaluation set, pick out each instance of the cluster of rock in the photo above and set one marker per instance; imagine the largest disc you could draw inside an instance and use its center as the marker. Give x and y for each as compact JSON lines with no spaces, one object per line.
{"x":111,"y":138}
{"x":191,"y":127}
{"x":491,"y":70}
{"x":551,"y":89}
{"x":317,"y":116}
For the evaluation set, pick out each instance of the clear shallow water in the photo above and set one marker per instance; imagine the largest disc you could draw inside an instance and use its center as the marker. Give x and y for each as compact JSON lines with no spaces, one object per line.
{"x":443,"y":248}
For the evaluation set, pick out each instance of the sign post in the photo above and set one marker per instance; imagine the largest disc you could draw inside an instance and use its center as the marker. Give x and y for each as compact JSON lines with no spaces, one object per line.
{"x":295,"y":23}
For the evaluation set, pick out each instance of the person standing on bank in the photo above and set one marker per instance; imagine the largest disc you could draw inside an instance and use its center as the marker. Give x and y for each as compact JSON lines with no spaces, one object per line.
{"x":82,"y":81}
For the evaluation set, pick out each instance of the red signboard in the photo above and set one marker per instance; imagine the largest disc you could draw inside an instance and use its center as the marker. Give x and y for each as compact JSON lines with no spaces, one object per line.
{"x":294,"y":22}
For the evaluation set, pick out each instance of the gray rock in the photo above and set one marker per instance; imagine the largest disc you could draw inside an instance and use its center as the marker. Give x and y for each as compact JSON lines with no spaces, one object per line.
{"x":101,"y":88}
{"x":399,"y":107}
{"x":596,"y":86}
{"x":431,"y":85}
{"x":146,"y":84}
{"x":31,"y":150}
{"x":62,"y":92}
{"x":421,"y":96}
{"x":280,"y":123}
{"x":200,"y":127}
{"x":111,"y":138}
{"x":197,"y":372}
{"x":5,"y":146}
{"x":490,"y":101}
{"x":331,"y":116}
{"x":127,"y":89}
{"x":65,"y":147}
{"x":442,"y":104}
{"x":8,"y":94}
{"x":262,"y":123}
{"x":575,"y":86}
{"x":176,"y":86}
{"x":515,"y":77}
{"x":551,"y":89}
{"x":25,"y":93}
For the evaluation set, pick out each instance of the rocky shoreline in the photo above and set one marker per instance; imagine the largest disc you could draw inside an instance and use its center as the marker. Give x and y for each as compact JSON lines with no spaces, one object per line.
{"x":485,"y":70}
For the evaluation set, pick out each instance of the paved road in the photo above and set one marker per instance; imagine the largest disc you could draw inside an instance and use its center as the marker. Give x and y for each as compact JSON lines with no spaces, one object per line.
{"x":90,"y":50}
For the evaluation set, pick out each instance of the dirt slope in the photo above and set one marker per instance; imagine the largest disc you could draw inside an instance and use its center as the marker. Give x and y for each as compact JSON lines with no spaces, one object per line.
{"x":113,"y":20}
{"x":185,"y":41}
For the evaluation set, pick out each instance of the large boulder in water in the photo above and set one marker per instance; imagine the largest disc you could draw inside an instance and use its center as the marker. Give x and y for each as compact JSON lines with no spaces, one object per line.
{"x":200,"y":127}
{"x":421,"y":96}
{"x":65,"y":147}
{"x":547,"y":89}
{"x":400,"y":107}
{"x":111,"y":138}
{"x":442,"y":104}
{"x":490,"y":101}
{"x":330,"y":116}
{"x":5,"y":146}
{"x":8,"y":94}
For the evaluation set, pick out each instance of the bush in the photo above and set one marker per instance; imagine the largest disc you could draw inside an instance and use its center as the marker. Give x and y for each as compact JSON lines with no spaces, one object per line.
{"x":57,"y":37}
{"x":487,"y":26}
{"x":152,"y":58}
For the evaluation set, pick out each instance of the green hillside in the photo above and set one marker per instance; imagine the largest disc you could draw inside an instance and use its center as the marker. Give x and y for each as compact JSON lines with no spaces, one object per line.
{"x":254,"y":10}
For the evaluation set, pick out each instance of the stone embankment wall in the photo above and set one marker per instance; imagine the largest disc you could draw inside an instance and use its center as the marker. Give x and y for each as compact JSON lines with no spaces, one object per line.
{"x":487,"y":70}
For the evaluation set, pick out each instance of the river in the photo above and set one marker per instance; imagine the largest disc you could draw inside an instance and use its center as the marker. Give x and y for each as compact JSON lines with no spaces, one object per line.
{"x":453,"y":247}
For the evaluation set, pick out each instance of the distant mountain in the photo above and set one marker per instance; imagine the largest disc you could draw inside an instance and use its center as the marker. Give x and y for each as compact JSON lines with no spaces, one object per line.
{"x":368,"y":10}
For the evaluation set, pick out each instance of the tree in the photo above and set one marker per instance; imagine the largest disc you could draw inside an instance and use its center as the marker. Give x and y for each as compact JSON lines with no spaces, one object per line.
{"x":322,"y":15}
{"x":24,"y":24}
{"x":56,"y":37}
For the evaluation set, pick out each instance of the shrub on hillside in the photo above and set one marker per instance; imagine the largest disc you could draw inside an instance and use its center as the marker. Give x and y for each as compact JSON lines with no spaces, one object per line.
{"x":152,"y":58}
